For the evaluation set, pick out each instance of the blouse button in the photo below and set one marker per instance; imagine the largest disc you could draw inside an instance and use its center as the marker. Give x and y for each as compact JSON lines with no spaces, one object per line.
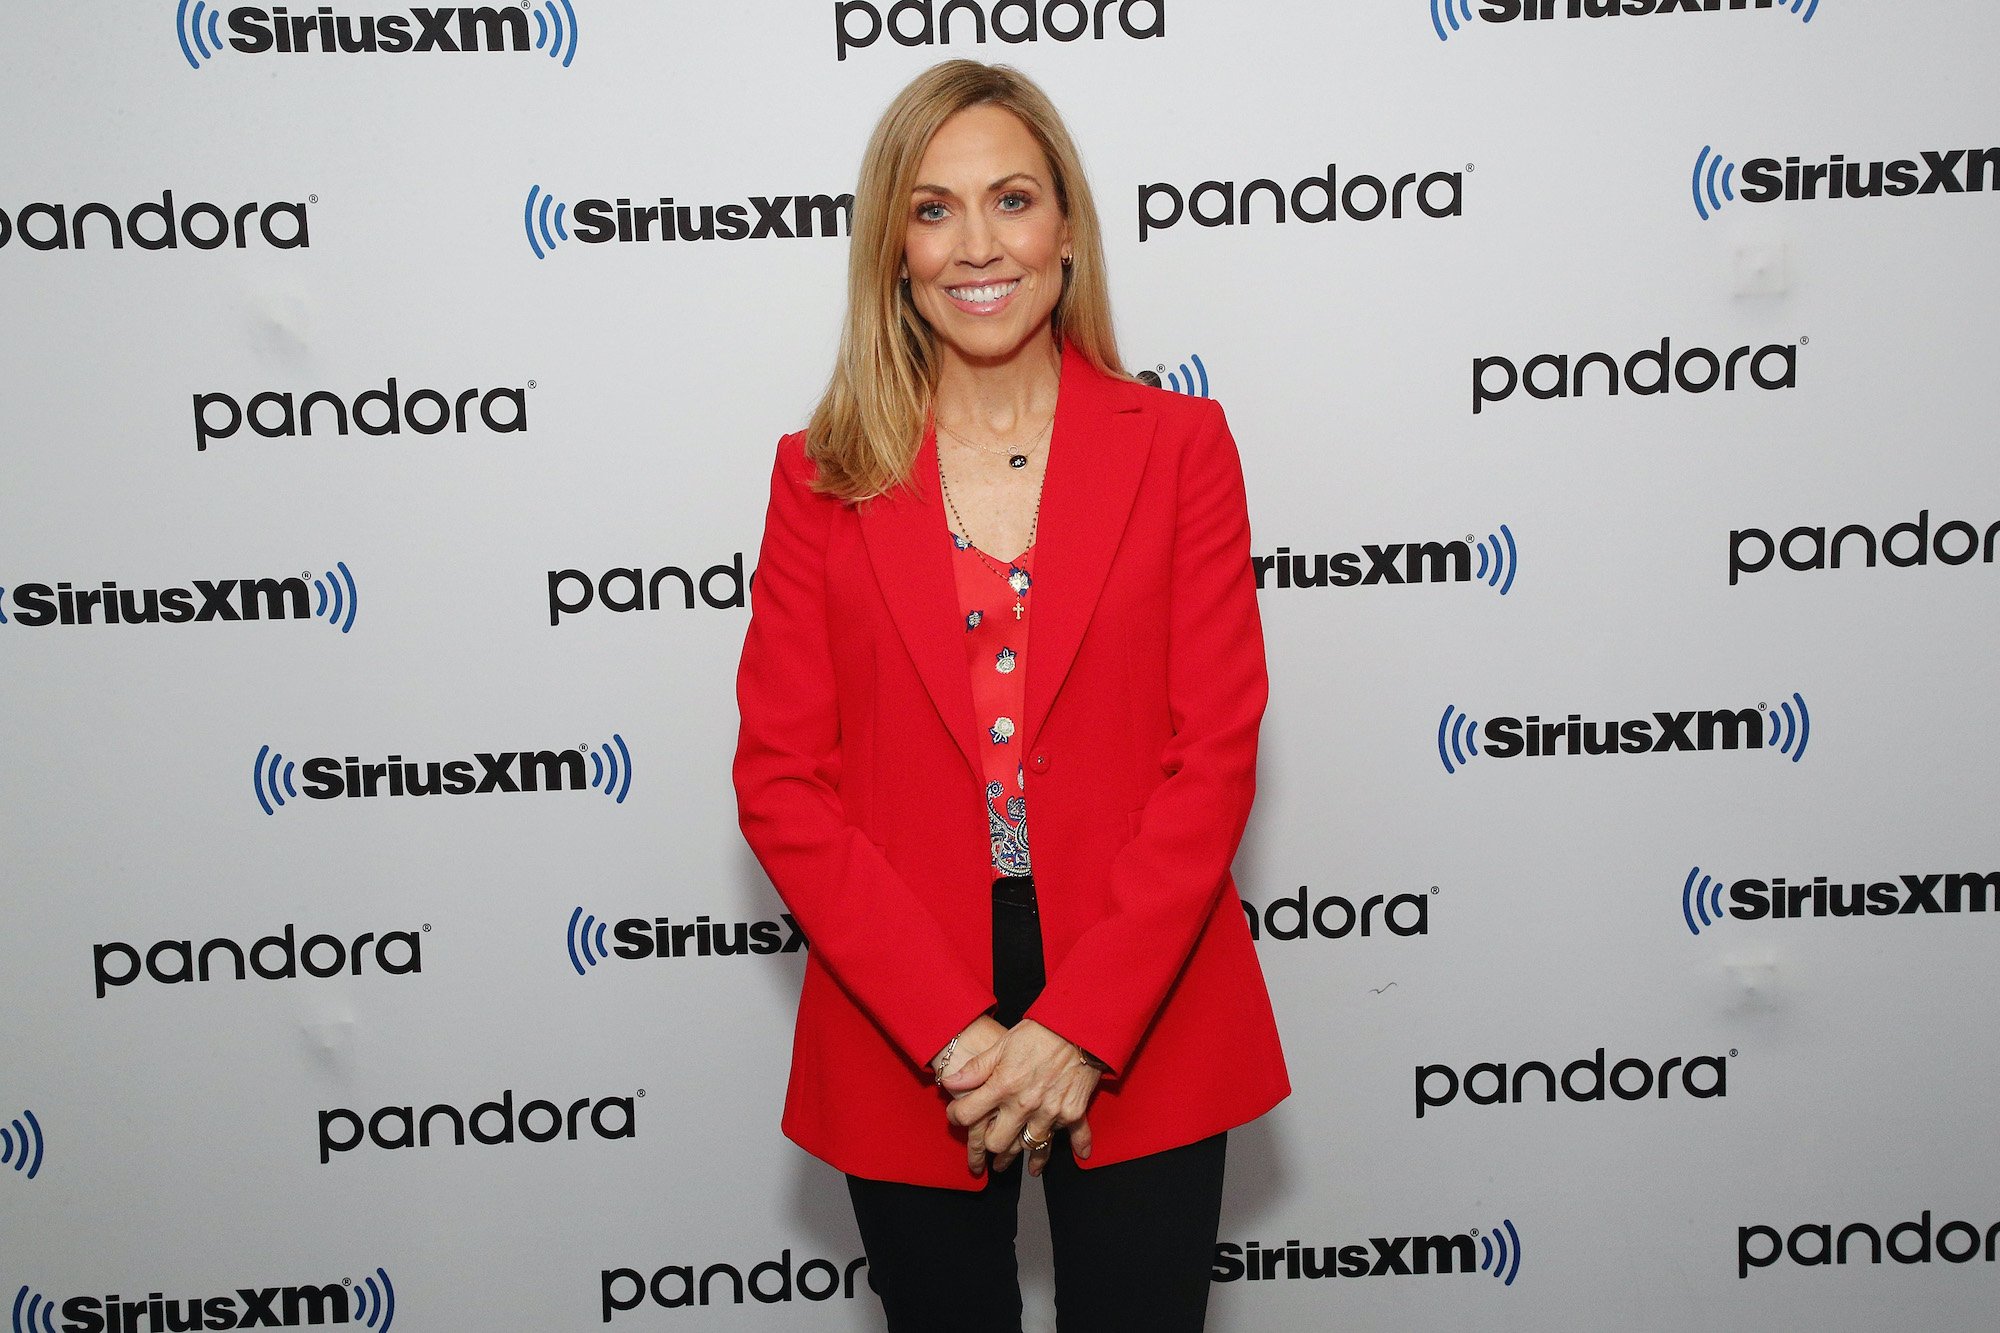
{"x":1040,"y":763}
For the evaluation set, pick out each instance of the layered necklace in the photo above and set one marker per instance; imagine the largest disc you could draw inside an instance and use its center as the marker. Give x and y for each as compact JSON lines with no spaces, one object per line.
{"x":1016,"y":578}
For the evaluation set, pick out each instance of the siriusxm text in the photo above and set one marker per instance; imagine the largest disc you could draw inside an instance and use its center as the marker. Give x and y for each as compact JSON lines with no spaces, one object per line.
{"x":206,"y":600}
{"x":761,"y":217}
{"x":1662,"y":733}
{"x":448,"y":28}
{"x":1946,"y":171}
{"x":246,"y":1307}
{"x":1397,"y":562}
{"x":663,"y":937}
{"x":1382,"y":1256}
{"x":327,"y":778}
{"x":1780,"y":899}
{"x":1507,"y":11}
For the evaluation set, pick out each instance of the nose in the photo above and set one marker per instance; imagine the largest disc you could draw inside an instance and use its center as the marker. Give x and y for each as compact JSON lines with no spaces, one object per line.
{"x":979,"y":243}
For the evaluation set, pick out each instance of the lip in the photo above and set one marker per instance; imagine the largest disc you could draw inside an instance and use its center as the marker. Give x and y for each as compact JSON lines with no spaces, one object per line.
{"x":1007,"y":290}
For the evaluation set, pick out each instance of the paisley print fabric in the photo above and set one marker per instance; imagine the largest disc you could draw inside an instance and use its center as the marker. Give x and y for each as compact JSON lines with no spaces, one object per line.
{"x":994,"y":597}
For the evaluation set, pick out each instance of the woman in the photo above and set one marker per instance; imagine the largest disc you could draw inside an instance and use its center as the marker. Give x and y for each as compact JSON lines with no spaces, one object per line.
{"x":999,"y":577}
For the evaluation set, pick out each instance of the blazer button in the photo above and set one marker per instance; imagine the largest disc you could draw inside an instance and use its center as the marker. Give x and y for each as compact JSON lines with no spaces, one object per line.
{"x":1039,"y":764}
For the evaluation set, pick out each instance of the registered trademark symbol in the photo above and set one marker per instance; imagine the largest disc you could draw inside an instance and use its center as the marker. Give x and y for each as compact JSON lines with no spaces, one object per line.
{"x":1468,"y":167}
{"x":305,"y":573}
{"x":312,"y":198}
{"x":1473,"y":1232}
{"x":347,"y":1282}
{"x":1732,"y":1050}
{"x":1804,"y":341}
{"x":642,"y":1091}
{"x":427,"y":927}
{"x":531,"y":384}
{"x":1470,"y":538}
{"x":1434,"y":888}
{"x":1761,"y":704}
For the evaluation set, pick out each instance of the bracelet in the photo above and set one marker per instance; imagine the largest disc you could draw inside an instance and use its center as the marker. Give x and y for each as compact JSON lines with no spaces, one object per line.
{"x":1084,"y":1057}
{"x":943,"y":1061}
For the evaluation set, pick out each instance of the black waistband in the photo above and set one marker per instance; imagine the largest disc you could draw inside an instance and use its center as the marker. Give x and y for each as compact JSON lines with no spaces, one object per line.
{"x":1014,"y":890}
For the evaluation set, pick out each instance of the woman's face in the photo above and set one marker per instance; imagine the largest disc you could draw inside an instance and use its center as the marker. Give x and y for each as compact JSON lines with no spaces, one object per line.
{"x":986,"y":236}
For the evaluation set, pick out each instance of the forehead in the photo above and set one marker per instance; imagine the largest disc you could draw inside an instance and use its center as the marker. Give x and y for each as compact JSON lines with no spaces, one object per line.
{"x":979,"y":145}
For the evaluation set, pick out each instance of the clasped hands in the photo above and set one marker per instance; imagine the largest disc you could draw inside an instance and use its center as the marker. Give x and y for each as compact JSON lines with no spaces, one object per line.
{"x":1006,"y":1080}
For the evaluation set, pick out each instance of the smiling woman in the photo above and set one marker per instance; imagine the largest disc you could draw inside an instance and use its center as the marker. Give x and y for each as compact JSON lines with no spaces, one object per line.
{"x":997,"y":574}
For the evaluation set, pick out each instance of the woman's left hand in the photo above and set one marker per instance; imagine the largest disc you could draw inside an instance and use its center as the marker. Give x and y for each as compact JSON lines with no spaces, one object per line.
{"x":1030,"y":1080}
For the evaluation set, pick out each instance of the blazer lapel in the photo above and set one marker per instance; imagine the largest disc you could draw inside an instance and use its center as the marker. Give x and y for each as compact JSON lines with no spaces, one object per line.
{"x":1096,"y":458}
{"x":909,"y":547}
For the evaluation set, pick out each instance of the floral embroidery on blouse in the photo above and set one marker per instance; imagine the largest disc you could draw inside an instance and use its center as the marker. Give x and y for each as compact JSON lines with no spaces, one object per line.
{"x":1003,"y":661}
{"x":996,"y":658}
{"x":972,"y":619}
{"x":1002,"y":730}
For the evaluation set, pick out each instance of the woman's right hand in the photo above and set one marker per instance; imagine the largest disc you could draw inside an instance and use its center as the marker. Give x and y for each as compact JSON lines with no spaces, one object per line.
{"x":983,"y":1033}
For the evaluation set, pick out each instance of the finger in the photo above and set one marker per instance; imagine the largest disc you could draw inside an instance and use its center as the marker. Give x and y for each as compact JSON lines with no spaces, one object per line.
{"x":1079,"y":1138}
{"x":1038,"y":1157}
{"x":975,"y":1149}
{"x":969,"y":1074}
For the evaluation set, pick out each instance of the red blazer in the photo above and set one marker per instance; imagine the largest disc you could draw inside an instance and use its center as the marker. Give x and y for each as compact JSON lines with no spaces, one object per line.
{"x":858,"y":787}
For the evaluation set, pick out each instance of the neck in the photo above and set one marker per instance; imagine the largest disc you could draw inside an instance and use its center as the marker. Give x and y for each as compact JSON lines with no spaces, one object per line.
{"x":1001,"y":396}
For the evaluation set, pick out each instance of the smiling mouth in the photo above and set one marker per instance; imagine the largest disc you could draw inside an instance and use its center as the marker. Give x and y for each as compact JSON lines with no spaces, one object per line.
{"x":990,"y":292}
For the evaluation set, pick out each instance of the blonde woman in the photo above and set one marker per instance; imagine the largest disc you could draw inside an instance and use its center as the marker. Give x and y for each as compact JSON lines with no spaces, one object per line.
{"x":1003,"y":586}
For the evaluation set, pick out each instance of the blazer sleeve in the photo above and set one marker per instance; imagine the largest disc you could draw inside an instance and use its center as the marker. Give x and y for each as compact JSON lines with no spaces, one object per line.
{"x":1164,"y":883}
{"x":861,"y":921}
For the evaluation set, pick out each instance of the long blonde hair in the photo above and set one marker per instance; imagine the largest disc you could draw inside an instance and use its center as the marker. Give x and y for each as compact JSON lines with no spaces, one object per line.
{"x":864,"y":434}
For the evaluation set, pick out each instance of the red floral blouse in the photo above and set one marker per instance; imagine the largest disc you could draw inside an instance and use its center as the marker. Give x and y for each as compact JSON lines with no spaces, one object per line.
{"x":993,"y":598}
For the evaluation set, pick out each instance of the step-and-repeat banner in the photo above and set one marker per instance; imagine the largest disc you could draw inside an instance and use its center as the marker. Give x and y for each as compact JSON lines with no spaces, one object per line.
{"x":390,"y":403}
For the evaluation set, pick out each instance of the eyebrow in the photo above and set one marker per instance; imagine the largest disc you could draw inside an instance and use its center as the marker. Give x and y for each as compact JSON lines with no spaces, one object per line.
{"x":939,"y":189}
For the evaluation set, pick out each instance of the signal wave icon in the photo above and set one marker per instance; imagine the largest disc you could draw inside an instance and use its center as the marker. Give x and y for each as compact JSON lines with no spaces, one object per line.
{"x":1713,"y":182}
{"x":542,"y":219}
{"x":1499,"y":560}
{"x":1500,"y":1252}
{"x":375,"y":1301}
{"x":555,"y":30}
{"x":33,"y":1312}
{"x":338,"y":598}
{"x":611,"y":769}
{"x":199,"y":28}
{"x":586,"y":941}
{"x":1701,"y":901}
{"x":1458,"y":739}
{"x":1457,"y":13}
{"x":1790,"y":730}
{"x":21,"y":1145}
{"x":271,"y":780}
{"x":1191,"y":379}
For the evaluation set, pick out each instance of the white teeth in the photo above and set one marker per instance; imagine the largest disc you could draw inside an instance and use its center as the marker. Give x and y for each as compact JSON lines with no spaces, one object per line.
{"x":981,"y":295}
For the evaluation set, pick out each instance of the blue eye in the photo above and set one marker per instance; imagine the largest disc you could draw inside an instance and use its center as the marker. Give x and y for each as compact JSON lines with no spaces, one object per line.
{"x":1014,"y":201}
{"x":931,"y":211}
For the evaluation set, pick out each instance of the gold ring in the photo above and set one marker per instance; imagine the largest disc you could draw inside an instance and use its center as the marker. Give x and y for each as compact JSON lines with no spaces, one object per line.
{"x":1035,"y":1144}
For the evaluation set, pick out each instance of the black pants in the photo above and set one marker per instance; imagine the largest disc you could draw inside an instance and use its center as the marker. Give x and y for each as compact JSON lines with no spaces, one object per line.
{"x":1133,"y":1241}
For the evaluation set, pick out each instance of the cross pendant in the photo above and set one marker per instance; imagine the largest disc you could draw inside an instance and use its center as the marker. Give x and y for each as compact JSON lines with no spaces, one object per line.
{"x":1018,"y":608}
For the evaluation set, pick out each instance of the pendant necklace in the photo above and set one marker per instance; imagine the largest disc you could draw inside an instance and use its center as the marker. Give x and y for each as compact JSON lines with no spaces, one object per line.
{"x":1016,"y":458}
{"x":1016,"y":578}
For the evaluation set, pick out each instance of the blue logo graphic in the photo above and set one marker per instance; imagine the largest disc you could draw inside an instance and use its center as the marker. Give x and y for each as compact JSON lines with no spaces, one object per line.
{"x":1191,"y":380}
{"x":3,"y":603}
{"x":338,"y":597}
{"x":199,"y":29}
{"x":271,"y":779}
{"x":1701,"y":901}
{"x":613,"y":767}
{"x":1790,"y":739}
{"x":553,"y":24}
{"x":33,"y":1313}
{"x":1498,"y":563}
{"x":21,"y":1145}
{"x":1458,"y":13}
{"x":1500,"y":1252}
{"x":543,"y":221}
{"x":375,"y":1300}
{"x":1458,"y":739}
{"x":1713,"y":182}
{"x":586,"y":941}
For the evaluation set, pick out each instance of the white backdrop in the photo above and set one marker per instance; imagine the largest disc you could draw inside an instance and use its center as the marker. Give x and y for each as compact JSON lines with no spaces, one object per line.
{"x":222,"y":1140}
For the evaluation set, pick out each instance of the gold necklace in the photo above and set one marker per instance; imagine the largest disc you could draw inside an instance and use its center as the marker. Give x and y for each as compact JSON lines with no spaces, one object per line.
{"x":1016,"y":577}
{"x":1016,"y":458}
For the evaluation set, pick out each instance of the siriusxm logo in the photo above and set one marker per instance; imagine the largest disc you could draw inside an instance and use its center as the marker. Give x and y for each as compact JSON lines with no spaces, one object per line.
{"x":1786,"y":729}
{"x":548,"y":222}
{"x":22,"y":1145}
{"x":663,"y":937}
{"x":279,"y":957}
{"x":1498,"y":1255}
{"x":450,"y":28}
{"x":1361,"y":198}
{"x":327,"y":778}
{"x":571,"y":591}
{"x":370,"y":1302}
{"x":490,"y":1123}
{"x":1767,"y":179}
{"x":1802,"y":549}
{"x":1335,"y":917}
{"x":857,"y":23}
{"x":1778,"y":899}
{"x":1191,"y":379}
{"x":1652,"y":371}
{"x":1499,"y":560}
{"x":281,"y":415}
{"x":1451,"y":16}
{"x":1818,"y":1244}
{"x":331,"y":597}
{"x":161,"y":226}
{"x":1585,"y":1080}
{"x":772,"y":1282}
